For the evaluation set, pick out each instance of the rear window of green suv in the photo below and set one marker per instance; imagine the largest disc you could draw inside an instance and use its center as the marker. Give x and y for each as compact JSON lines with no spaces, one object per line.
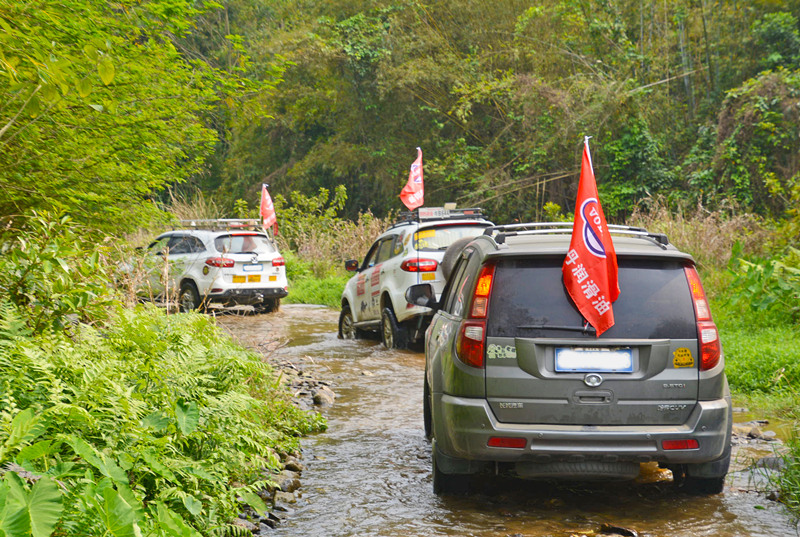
{"x":529,"y":300}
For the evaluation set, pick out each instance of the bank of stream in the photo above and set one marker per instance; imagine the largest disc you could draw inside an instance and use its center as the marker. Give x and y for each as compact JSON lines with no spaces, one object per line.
{"x":369,"y":474}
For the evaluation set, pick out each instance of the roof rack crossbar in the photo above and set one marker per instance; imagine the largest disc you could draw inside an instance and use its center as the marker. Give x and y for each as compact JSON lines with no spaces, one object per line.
{"x":564,"y":228}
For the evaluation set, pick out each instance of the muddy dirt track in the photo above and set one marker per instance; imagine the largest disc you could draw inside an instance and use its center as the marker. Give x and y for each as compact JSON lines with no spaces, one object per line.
{"x":369,"y":474}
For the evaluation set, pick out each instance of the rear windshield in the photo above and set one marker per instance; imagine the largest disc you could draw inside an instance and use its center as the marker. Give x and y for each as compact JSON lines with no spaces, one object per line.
{"x":243,"y":243}
{"x":440,"y":237}
{"x":529,"y":300}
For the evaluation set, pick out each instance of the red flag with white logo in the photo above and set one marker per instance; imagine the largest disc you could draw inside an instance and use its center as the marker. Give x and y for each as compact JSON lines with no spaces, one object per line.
{"x":413,"y":194}
{"x":268,"y":210}
{"x":590,"y":268}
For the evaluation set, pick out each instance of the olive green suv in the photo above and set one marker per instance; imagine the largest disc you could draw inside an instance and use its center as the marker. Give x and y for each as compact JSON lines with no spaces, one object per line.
{"x":517,"y":381}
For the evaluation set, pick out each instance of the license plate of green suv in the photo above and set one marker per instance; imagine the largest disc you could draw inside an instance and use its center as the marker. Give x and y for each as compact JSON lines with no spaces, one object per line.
{"x":584,"y":360}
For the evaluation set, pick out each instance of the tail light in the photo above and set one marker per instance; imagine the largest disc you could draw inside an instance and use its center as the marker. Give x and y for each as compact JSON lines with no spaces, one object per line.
{"x":219,"y":262}
{"x":507,"y":442}
{"x":689,"y":443}
{"x":707,"y":334}
{"x":278,"y":262}
{"x":472,"y":336}
{"x":419,"y":265}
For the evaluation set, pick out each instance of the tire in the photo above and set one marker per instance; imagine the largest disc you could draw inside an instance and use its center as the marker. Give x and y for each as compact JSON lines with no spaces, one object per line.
{"x":427,"y":421}
{"x":393,"y":335}
{"x":189,"y":298}
{"x":703,"y":485}
{"x":346,"y":328}
{"x":451,"y":255}
{"x":447,"y":483}
{"x":268,"y":305}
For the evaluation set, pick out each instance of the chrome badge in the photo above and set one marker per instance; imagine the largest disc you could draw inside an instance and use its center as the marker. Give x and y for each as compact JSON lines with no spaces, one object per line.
{"x":593,"y":380}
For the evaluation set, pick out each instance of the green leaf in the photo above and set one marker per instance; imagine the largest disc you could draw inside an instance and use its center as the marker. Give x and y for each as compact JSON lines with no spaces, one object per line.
{"x":118,"y":516}
{"x":157,"y":421}
{"x":84,"y":87}
{"x":107,"y":465}
{"x":157,"y":466}
{"x":106,"y":70}
{"x":15,"y":519}
{"x":188,"y":416}
{"x":44,"y":507}
{"x":193,"y":505}
{"x":173,"y":524}
{"x":253,"y":500}
{"x":39,"y":449}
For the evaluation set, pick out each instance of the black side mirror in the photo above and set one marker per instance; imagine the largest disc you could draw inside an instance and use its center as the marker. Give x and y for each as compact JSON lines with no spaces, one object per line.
{"x":422,"y":295}
{"x":351,"y":265}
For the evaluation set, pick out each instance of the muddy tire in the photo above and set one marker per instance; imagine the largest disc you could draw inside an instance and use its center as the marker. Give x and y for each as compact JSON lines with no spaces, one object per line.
{"x":267,"y":306}
{"x":347,"y":330}
{"x":702,"y":485}
{"x":447,"y":483}
{"x":189,"y":297}
{"x":393,"y":335}
{"x":427,"y":421}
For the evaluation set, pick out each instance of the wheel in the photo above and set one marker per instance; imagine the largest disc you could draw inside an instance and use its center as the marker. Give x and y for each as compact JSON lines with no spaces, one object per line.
{"x":426,"y":410}
{"x":189,"y":298}
{"x":703,"y":485}
{"x":393,"y":335}
{"x":268,"y":305}
{"x":451,"y":255}
{"x":346,"y":328}
{"x":447,"y":483}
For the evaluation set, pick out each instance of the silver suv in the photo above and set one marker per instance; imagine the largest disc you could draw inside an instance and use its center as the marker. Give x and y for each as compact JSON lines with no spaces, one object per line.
{"x":410,"y":252}
{"x":517,"y":381}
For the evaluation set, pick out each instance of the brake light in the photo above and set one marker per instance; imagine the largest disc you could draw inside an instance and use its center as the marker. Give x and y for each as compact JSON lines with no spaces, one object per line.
{"x":278,"y":262}
{"x":480,"y":301}
{"x":507,"y":442}
{"x":689,"y":443}
{"x":220,"y":262}
{"x":469,"y":346}
{"x":419,"y":265}
{"x":707,"y":334}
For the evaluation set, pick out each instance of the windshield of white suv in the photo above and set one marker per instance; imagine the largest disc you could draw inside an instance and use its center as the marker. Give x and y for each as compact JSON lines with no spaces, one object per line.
{"x":529,"y":300}
{"x":241,"y":243}
{"x":442,"y":236}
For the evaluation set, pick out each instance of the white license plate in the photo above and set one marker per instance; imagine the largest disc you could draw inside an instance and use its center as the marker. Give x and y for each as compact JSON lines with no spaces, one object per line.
{"x":253,"y":268}
{"x":601,"y":360}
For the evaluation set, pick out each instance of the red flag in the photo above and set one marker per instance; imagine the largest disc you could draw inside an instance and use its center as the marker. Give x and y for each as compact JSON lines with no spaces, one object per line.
{"x":590,"y":268}
{"x":413,"y":194}
{"x":268,"y":210}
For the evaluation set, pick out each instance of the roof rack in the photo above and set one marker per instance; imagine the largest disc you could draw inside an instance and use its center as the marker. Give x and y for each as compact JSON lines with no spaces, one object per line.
{"x":424,"y":214}
{"x":223,"y":224}
{"x":500,"y":233}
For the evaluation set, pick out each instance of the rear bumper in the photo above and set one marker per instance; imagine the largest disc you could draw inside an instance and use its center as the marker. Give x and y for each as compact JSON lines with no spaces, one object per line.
{"x":463,"y":426}
{"x":247,"y":297}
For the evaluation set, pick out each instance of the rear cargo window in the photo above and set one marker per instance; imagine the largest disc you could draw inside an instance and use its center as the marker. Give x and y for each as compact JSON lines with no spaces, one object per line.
{"x":440,"y":237}
{"x":529,"y":300}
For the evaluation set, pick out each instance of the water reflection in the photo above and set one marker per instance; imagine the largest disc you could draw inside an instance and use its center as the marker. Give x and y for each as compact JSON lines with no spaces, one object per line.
{"x":369,"y":474}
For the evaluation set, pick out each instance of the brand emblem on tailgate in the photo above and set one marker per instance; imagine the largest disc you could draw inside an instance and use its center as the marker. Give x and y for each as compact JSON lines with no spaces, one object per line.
{"x":510,"y":405}
{"x":593,"y":380}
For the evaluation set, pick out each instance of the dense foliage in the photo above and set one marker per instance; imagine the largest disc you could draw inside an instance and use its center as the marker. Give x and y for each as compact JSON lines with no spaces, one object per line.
{"x":120,"y":421}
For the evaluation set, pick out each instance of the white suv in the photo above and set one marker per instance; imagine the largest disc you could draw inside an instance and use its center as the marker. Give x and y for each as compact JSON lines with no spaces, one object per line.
{"x":227,"y":262}
{"x":410,"y":252}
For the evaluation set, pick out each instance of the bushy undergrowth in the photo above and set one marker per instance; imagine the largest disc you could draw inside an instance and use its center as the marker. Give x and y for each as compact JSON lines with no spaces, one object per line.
{"x":118,"y":421}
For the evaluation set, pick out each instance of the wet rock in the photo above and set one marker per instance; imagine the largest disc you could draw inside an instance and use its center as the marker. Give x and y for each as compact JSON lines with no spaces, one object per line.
{"x":293,"y":465}
{"x":285,"y":497}
{"x":324,"y":396}
{"x":772,"y":463}
{"x":287,"y":481}
{"x":246,"y":524}
{"x":611,"y":530}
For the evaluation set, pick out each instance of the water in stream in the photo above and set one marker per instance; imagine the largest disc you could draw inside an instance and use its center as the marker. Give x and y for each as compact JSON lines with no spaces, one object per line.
{"x":369,"y":474}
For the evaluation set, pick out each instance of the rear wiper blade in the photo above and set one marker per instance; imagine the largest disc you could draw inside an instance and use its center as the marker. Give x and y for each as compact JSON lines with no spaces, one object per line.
{"x":588,"y":329}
